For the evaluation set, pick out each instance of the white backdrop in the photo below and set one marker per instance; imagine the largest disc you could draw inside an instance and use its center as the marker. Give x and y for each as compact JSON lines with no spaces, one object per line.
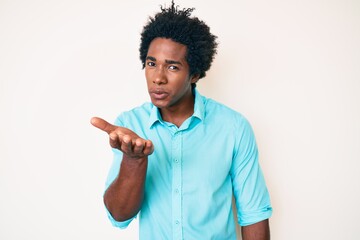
{"x":291,"y":67}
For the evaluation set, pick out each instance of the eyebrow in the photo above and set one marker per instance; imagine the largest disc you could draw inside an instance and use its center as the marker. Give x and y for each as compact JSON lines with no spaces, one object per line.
{"x":167,"y":61}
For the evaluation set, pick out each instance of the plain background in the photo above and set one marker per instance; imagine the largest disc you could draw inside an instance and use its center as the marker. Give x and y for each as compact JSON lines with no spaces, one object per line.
{"x":291,"y":67}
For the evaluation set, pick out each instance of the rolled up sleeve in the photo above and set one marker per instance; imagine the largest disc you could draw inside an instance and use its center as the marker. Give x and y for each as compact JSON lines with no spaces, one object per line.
{"x":250,"y":191}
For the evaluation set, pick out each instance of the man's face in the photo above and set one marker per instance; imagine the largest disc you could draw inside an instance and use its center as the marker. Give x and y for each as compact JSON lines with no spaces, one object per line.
{"x":167,"y":74}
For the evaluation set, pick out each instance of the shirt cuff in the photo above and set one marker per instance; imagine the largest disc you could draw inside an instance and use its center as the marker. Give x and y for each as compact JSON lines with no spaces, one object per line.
{"x":248,"y":218}
{"x":118,"y":224}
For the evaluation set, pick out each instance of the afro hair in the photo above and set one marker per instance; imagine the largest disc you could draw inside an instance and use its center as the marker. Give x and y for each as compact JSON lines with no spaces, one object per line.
{"x":177,"y":25}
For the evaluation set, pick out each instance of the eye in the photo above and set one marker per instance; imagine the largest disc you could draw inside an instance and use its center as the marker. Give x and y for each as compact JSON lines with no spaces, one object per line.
{"x":173,"y":67}
{"x":150,"y":64}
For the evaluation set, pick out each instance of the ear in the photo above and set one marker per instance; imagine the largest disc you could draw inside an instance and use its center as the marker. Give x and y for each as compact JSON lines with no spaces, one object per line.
{"x":194,"y":78}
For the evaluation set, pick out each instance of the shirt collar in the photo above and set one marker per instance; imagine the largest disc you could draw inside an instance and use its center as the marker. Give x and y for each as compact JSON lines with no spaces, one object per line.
{"x":199,"y":106}
{"x":199,"y":110}
{"x":154,"y":116}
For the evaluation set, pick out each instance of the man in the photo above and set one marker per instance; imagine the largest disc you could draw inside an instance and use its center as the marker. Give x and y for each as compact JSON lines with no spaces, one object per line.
{"x":179,"y":159}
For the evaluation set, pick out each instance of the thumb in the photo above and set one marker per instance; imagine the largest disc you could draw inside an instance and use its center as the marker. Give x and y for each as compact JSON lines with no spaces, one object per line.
{"x":102,"y":124}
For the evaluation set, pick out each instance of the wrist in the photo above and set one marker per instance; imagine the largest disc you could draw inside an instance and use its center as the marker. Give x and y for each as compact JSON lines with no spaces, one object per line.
{"x":134,"y":160}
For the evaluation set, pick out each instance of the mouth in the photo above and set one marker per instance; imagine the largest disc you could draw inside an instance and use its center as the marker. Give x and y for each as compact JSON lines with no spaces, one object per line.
{"x":158,"y":94}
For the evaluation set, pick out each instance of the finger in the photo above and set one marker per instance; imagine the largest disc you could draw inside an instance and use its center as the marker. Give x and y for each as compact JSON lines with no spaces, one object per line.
{"x":139,"y":145}
{"x":149,"y":147}
{"x":126,"y":145}
{"x":114,"y":140}
{"x":102,"y":124}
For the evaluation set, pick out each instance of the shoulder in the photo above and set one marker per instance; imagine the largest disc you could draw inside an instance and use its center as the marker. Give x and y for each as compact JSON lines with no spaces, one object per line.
{"x":219,"y":112}
{"x":229,"y":124}
{"x":140,"y":113}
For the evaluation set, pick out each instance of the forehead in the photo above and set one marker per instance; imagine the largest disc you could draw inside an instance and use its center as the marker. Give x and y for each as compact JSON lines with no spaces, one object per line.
{"x":167,"y":49}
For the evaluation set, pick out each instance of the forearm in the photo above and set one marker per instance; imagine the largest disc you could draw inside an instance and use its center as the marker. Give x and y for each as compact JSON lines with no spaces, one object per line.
{"x":124,"y":196}
{"x":257,"y":231}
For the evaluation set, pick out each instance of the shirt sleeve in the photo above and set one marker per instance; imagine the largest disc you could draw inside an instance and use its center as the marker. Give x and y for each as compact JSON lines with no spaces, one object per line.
{"x":113,"y":173}
{"x":250,"y":191}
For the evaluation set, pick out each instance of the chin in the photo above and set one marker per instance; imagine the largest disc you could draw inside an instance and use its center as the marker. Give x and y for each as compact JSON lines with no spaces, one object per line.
{"x":159,"y":104}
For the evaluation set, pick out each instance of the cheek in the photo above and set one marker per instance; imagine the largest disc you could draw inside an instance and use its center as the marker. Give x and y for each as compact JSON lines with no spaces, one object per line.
{"x":147,"y":76}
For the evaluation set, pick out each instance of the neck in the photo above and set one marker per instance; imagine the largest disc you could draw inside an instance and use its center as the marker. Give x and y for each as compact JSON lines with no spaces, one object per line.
{"x":179,"y":113}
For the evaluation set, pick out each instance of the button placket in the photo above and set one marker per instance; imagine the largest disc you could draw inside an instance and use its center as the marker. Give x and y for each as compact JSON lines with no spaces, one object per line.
{"x":176,"y":185}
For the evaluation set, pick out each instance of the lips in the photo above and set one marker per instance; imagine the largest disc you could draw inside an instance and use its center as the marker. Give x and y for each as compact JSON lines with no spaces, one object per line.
{"x":158,"y":94}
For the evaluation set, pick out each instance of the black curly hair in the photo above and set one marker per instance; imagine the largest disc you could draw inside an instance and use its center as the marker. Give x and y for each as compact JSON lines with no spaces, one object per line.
{"x":178,"y":26}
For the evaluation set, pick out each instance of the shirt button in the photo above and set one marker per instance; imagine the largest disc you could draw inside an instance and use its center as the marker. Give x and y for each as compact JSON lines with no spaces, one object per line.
{"x":177,"y":222}
{"x":177,"y":190}
{"x":176,"y":160}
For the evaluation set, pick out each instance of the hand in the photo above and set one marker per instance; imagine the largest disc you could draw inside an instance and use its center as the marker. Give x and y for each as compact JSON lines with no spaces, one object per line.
{"x":124,"y":139}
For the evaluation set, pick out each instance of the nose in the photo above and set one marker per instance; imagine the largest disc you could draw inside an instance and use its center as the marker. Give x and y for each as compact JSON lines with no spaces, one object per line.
{"x":159,"y":76}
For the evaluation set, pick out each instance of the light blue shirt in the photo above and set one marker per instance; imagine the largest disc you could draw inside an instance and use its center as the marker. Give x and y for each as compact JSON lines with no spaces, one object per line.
{"x":194,"y":171}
